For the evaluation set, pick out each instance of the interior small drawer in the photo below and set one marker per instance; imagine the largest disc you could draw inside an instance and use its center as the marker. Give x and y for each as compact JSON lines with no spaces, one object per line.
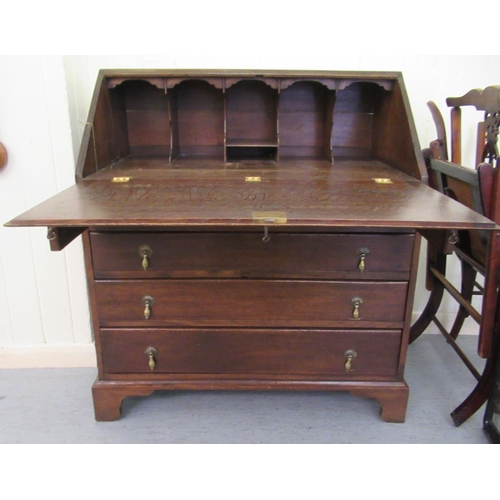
{"x":251,"y":303}
{"x":349,"y":354}
{"x":249,"y":254}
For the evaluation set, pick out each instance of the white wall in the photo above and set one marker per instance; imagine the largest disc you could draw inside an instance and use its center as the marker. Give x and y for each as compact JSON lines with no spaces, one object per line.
{"x":43,"y":295}
{"x":44,"y":103}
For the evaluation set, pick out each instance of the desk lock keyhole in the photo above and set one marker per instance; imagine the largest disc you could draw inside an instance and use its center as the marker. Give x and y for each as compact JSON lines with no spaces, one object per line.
{"x":266,"y":237}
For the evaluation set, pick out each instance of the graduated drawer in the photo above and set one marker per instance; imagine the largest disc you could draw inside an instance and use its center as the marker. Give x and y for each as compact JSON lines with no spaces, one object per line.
{"x":284,"y":352}
{"x":251,"y":303}
{"x":236,"y":255}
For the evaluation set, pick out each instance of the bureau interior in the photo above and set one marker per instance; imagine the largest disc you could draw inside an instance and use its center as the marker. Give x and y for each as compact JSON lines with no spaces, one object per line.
{"x":258,"y":119}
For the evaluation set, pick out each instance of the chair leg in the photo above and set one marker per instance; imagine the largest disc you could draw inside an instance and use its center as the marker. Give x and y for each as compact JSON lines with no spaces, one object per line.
{"x":425,"y":319}
{"x":435,"y":258}
{"x":433,"y":303}
{"x":467,"y":287}
{"x":477,"y":397}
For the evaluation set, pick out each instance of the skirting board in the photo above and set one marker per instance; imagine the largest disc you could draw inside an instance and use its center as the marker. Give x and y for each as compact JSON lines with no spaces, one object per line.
{"x":48,"y":356}
{"x":83,"y":355}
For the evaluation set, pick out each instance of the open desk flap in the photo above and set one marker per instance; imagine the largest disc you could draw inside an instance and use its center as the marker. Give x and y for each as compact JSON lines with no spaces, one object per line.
{"x":346,"y":195}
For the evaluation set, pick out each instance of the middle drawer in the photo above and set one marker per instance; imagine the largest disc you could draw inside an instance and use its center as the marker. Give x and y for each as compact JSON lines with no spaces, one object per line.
{"x":251,"y":303}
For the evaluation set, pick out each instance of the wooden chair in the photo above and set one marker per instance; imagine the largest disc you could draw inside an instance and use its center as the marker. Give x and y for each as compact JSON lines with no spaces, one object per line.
{"x":478,"y":252}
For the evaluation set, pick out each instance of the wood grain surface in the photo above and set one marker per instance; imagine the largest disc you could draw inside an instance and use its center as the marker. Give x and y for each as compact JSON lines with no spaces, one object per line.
{"x":311,"y":193}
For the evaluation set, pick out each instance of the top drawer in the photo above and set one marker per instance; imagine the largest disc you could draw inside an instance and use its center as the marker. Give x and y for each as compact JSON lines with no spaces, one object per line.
{"x":238,"y":255}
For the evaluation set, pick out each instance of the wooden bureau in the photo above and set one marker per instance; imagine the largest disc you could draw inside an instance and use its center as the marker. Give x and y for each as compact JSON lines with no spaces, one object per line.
{"x":250,"y":231}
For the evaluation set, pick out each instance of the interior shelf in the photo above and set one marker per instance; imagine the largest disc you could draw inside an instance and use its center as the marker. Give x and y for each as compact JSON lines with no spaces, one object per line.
{"x":241,"y":119}
{"x":250,"y":143}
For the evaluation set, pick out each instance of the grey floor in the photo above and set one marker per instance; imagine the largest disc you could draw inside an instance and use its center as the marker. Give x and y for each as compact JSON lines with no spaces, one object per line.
{"x":55,"y":406}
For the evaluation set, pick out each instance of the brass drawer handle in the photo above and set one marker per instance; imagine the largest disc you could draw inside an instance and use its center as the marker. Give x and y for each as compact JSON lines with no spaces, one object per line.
{"x":362,"y":252}
{"x":151,"y":353}
{"x":147,"y":302}
{"x":356,"y":302}
{"x":145,"y":251}
{"x":350,"y":356}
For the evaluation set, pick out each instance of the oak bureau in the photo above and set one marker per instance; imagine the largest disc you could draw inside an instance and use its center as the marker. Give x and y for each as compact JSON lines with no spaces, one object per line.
{"x":250,"y":230}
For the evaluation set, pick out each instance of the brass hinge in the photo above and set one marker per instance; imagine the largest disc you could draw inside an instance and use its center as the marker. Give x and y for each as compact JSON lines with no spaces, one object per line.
{"x":383,"y":181}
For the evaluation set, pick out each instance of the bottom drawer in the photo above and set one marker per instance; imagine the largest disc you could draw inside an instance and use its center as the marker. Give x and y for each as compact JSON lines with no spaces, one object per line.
{"x":224,"y":351}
